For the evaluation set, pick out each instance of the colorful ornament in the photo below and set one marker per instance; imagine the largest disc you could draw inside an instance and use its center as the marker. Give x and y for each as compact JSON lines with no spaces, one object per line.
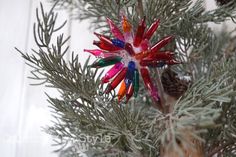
{"x":148,"y":83}
{"x":131,"y":55}
{"x":99,"y":53}
{"x":112,"y":72}
{"x":139,"y":34}
{"x":122,"y":90}
{"x":155,"y":48}
{"x":115,"y":30}
{"x":151,"y":30}
{"x":106,"y":61}
{"x":129,"y":92}
{"x":152,"y":63}
{"x":119,"y":77}
{"x":130,"y":74}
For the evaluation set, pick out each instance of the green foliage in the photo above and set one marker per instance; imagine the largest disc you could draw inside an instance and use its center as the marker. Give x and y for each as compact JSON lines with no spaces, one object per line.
{"x":137,"y":129}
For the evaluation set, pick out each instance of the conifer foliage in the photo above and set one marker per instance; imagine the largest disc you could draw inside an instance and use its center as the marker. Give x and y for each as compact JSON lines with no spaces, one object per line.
{"x":194,"y":112}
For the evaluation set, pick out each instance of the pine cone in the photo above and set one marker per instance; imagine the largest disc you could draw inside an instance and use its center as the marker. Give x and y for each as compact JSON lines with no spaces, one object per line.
{"x":172,"y":84}
{"x":223,"y":2}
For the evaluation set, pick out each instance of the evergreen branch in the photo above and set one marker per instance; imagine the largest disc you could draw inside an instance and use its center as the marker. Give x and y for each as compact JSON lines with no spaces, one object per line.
{"x":163,"y":106}
{"x":219,"y":149}
{"x":220,"y":14}
{"x":140,"y":8}
{"x":76,"y":84}
{"x":196,"y":111}
{"x":137,"y":129}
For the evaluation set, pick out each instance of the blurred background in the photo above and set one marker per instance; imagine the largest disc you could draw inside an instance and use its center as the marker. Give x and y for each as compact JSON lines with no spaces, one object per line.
{"x":23,"y":108}
{"x":24,"y":111}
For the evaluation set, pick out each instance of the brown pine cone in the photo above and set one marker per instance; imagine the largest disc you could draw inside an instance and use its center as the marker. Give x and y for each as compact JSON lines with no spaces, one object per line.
{"x":172,"y":84}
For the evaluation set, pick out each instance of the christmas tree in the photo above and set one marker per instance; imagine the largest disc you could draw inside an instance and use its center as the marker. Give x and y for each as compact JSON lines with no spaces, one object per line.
{"x":169,"y":89}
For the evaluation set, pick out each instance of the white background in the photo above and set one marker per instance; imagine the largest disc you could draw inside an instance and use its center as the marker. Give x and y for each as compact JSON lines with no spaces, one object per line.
{"x":23,"y":108}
